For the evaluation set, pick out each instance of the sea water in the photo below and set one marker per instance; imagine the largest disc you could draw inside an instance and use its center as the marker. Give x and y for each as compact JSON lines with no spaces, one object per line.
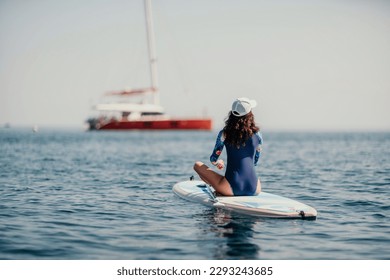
{"x":70,"y":194}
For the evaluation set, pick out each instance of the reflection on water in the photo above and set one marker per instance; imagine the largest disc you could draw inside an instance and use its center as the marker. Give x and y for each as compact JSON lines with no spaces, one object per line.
{"x":233,"y":233}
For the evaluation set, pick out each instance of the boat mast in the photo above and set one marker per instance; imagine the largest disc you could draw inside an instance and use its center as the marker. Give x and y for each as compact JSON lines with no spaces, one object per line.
{"x":152,"y":50}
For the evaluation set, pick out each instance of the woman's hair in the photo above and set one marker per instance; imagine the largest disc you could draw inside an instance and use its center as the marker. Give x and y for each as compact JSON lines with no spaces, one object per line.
{"x":239,"y":129}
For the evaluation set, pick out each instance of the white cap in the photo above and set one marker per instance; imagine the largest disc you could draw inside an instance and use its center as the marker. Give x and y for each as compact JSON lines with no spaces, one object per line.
{"x":242,"y":106}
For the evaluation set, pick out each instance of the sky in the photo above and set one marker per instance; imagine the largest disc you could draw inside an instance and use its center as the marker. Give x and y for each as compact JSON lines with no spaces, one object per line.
{"x":312,"y":65}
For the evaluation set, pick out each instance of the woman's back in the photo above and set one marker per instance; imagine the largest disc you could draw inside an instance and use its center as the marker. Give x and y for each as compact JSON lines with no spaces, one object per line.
{"x":240,"y":171}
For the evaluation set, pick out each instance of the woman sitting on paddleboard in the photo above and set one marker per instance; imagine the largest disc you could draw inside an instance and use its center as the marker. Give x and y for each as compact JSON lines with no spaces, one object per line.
{"x":243,"y":142}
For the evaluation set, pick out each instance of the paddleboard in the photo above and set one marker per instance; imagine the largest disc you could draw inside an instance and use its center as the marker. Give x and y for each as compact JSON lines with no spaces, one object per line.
{"x":265,"y":204}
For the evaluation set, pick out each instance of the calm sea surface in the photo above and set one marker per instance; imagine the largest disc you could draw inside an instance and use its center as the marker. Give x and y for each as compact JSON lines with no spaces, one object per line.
{"x":68,"y":194}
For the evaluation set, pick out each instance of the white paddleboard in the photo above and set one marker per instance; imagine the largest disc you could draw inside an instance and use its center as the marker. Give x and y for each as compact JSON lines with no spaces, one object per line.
{"x":262,"y":205}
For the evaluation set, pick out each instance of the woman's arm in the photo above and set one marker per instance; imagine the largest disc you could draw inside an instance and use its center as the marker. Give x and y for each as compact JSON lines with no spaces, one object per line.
{"x":219,"y":144}
{"x":259,"y":148}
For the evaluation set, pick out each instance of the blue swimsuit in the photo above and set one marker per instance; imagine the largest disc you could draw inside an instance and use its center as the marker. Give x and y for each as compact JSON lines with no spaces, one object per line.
{"x":241,"y":162}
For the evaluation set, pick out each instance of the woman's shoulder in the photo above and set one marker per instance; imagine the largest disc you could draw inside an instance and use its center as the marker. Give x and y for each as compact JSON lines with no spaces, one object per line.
{"x":221,"y":135}
{"x":259,"y":136}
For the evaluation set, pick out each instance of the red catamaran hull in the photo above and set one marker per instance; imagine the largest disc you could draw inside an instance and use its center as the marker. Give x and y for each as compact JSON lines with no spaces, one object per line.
{"x":171,"y":124}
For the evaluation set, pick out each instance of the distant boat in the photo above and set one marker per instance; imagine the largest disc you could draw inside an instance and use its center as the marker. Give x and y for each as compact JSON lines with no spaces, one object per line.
{"x":147,"y":113}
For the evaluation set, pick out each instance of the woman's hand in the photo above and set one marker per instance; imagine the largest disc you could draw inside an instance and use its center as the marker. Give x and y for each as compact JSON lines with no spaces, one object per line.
{"x":220,"y":164}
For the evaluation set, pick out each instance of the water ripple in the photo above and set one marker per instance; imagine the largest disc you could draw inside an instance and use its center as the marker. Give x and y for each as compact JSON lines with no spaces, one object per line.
{"x":77,"y":195}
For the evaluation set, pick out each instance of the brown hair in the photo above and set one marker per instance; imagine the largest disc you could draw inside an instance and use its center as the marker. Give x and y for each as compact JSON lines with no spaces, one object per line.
{"x":239,"y":129}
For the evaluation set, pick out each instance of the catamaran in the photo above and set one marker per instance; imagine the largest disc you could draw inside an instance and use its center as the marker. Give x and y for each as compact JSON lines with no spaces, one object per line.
{"x":146,"y":113}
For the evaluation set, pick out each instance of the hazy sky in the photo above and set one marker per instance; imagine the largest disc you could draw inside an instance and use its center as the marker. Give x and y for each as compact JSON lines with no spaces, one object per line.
{"x":311,"y":65}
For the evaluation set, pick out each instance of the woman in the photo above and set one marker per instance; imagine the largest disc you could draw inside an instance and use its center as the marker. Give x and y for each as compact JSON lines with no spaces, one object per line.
{"x":243,"y":142}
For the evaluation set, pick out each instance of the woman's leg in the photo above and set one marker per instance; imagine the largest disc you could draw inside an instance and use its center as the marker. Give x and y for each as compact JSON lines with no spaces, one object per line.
{"x":217,"y":181}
